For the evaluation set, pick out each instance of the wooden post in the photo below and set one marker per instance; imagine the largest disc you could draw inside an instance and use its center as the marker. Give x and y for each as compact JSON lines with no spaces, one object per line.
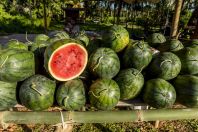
{"x":66,"y":118}
{"x":175,"y":21}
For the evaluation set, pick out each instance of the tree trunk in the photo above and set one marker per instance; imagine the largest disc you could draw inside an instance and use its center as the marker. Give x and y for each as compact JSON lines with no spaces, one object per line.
{"x":114,"y":15}
{"x":45,"y":16}
{"x":119,"y":11}
{"x":175,"y":21}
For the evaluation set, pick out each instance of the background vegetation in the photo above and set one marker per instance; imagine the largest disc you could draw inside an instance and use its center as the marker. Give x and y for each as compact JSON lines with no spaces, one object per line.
{"x":20,"y":16}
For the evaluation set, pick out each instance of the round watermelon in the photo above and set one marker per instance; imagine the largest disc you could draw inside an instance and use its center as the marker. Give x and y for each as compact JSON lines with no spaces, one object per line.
{"x":193,"y":42}
{"x":93,"y":45}
{"x":40,"y":38}
{"x":166,"y":66}
{"x":7,"y":95}
{"x":104,"y":94}
{"x":187,"y":90}
{"x":104,"y":63}
{"x":71,"y":95}
{"x":15,"y":44}
{"x":16,"y":65}
{"x":65,"y":59}
{"x":116,"y":37}
{"x":83,"y":38}
{"x":38,"y":49}
{"x":137,"y":55}
{"x":130,"y":82}
{"x":189,"y":60}
{"x":57,"y":35}
{"x":37,"y":93}
{"x":156,"y":39}
{"x":171,"y":45}
{"x":159,"y":93}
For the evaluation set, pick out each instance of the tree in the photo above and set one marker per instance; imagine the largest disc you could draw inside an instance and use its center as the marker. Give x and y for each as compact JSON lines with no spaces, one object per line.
{"x":176,"y":17}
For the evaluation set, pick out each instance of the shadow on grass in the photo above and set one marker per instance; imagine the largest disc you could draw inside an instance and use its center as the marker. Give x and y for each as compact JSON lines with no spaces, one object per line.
{"x":101,"y":127}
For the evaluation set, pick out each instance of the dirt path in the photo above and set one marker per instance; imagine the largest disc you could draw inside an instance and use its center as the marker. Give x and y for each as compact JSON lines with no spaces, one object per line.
{"x":20,"y":37}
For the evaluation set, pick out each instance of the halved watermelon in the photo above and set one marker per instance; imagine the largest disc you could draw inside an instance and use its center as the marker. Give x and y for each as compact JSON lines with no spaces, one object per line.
{"x":65,"y":59}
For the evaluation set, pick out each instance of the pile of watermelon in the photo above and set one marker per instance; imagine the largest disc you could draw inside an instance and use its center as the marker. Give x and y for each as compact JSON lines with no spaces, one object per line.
{"x":57,"y":70}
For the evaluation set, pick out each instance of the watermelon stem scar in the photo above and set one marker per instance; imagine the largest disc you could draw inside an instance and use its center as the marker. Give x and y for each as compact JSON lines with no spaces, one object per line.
{"x":33,"y":86}
{"x":91,"y":92}
{"x":65,"y":100}
{"x":164,"y":62}
{"x":139,"y":71}
{"x":67,"y":61}
{"x":99,"y":60}
{"x":4,"y":62}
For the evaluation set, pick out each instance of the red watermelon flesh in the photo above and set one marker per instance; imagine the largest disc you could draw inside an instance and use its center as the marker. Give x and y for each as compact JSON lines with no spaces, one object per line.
{"x":67,"y":62}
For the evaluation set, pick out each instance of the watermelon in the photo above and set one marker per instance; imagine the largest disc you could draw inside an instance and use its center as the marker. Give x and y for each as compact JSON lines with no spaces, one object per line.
{"x":40,"y":38}
{"x":7,"y":95}
{"x":193,"y":42}
{"x":57,"y":35}
{"x":83,"y":38}
{"x":65,"y":59}
{"x":189,"y":60}
{"x":16,"y":65}
{"x":171,"y":45}
{"x":15,"y":44}
{"x":187,"y":90}
{"x":116,"y":37}
{"x":156,"y":39}
{"x":70,"y":95}
{"x":37,"y":93}
{"x":104,"y":94}
{"x":130,"y":82}
{"x":104,"y":63}
{"x":137,"y":55}
{"x":159,"y":93}
{"x":38,"y":49}
{"x":93,"y":45}
{"x":166,"y":66}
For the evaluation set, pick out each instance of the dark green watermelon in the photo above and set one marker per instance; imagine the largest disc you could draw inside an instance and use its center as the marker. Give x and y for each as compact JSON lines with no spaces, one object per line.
{"x":166,"y":66}
{"x":156,"y":39}
{"x":94,"y":45}
{"x":57,"y":35}
{"x":7,"y":95}
{"x":189,"y":60}
{"x":83,"y":38}
{"x":171,"y":45}
{"x":187,"y":90}
{"x":137,"y":55}
{"x":104,"y":63}
{"x":37,"y":93}
{"x":159,"y":93}
{"x":40,"y":38}
{"x":71,"y":95}
{"x":15,"y":44}
{"x":104,"y":94}
{"x":130,"y":82}
{"x":16,"y":65}
{"x":38,"y":49}
{"x":116,"y":37}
